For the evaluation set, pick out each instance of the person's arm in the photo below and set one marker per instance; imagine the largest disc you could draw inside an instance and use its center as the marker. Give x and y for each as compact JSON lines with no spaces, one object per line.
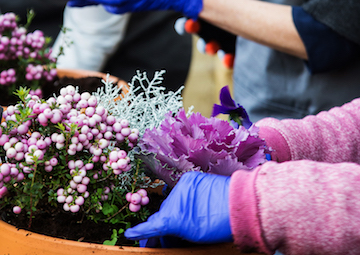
{"x":297,"y":207}
{"x":327,"y":50}
{"x":266,"y":23}
{"x":330,"y":136}
{"x":271,"y":24}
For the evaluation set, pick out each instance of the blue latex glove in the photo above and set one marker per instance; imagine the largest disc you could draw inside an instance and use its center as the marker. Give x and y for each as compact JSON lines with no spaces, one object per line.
{"x":190,"y":8}
{"x":196,"y":210}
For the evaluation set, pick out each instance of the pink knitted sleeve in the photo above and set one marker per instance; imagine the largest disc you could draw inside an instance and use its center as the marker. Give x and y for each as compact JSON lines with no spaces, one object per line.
{"x":332,"y":136}
{"x":297,"y":207}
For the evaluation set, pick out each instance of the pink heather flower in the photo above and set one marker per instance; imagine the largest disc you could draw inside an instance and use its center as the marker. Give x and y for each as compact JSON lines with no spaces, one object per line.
{"x":197,"y":143}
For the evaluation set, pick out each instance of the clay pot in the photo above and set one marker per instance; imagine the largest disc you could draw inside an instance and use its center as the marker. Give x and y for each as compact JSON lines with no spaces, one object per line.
{"x":78,"y":73}
{"x":15,"y":241}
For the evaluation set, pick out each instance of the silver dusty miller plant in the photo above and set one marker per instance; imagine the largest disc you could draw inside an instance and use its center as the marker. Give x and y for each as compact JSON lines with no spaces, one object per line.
{"x":144,"y":105}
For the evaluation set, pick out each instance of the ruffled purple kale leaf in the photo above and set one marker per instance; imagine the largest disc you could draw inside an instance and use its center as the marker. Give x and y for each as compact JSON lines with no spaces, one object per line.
{"x":196,"y":143}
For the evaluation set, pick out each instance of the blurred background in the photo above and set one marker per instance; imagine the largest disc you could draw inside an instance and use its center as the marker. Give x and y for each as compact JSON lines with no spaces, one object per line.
{"x":202,"y":75}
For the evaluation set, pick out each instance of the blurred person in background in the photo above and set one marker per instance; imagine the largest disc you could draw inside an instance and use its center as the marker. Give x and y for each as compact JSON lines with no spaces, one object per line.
{"x":130,"y":42}
{"x":293,"y":57}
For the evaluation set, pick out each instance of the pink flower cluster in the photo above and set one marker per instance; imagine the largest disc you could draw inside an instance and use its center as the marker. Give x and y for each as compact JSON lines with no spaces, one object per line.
{"x":7,"y":77}
{"x":24,"y":56}
{"x":7,"y":21}
{"x":71,"y":130}
{"x":137,"y":199}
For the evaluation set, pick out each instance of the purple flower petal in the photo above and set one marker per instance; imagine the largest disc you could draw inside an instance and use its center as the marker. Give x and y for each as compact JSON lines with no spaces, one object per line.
{"x":219,"y":109}
{"x":228,"y":106}
{"x":227,"y":166}
{"x":226,"y":99}
{"x":256,"y":159}
{"x":196,"y":143}
{"x":203,"y":157}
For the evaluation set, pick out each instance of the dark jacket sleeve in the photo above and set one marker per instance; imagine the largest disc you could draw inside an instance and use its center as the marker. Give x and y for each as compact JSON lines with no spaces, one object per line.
{"x":327,"y":50}
{"x":341,"y":16}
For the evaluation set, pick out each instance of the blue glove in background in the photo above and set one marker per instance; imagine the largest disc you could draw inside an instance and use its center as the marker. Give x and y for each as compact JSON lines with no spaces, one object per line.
{"x":197,"y":210}
{"x":190,"y":8}
{"x":80,"y":3}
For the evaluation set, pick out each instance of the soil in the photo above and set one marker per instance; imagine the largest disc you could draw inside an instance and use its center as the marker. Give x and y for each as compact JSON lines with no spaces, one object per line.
{"x":58,"y":223}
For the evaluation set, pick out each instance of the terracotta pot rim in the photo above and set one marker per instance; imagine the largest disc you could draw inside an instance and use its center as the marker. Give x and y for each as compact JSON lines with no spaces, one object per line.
{"x":10,"y":229}
{"x":77,"y":73}
{"x":81,"y":73}
{"x":10,"y":235}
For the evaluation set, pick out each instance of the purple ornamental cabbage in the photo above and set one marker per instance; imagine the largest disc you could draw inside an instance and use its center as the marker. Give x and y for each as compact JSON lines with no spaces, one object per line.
{"x":197,"y":143}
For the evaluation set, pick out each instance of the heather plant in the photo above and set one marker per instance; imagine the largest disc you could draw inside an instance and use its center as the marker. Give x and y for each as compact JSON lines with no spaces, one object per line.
{"x":25,"y":57}
{"x":68,"y":150}
{"x":73,"y":151}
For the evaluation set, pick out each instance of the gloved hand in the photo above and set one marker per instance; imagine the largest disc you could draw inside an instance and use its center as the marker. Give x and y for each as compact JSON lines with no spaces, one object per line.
{"x":190,"y":8}
{"x":197,"y":210}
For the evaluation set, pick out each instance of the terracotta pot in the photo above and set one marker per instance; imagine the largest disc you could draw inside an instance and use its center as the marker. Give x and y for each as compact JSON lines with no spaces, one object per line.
{"x":15,"y":241}
{"x":79,"y":73}
{"x":3,"y":108}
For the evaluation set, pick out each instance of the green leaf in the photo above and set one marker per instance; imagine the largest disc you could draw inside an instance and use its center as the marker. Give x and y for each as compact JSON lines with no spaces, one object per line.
{"x":115,"y":220}
{"x":114,"y":238}
{"x":109,"y":209}
{"x":111,"y":242}
{"x":60,"y":126}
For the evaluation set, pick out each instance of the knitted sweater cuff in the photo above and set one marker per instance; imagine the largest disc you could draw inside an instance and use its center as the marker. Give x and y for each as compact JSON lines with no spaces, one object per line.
{"x":280,"y":150}
{"x":244,"y":215}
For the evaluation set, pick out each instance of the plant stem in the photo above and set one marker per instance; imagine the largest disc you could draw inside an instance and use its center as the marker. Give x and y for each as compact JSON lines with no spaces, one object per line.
{"x":112,"y":216}
{"x":106,"y":177}
{"x":31,"y":201}
{"x":135,"y":176}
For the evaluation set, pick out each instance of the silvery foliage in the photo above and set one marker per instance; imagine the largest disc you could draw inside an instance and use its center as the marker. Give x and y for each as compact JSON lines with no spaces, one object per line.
{"x":144,"y":105}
